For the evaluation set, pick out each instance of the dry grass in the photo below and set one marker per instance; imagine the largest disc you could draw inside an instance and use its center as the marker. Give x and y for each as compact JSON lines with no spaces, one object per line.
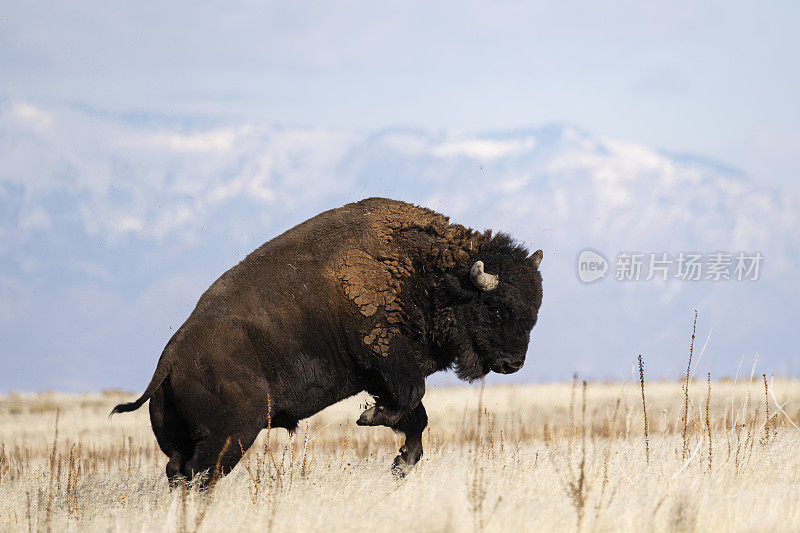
{"x":555,"y":456}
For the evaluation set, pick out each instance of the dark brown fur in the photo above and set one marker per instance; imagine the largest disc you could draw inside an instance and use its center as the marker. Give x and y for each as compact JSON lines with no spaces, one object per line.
{"x":372,"y":296}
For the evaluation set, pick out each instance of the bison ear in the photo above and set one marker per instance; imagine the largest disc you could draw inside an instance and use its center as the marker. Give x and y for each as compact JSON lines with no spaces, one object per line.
{"x":536,"y":258}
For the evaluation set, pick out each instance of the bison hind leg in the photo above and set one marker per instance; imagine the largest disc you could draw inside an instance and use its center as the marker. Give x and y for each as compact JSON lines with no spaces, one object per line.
{"x":174,"y":470}
{"x":217,"y":454}
{"x":171,"y":433}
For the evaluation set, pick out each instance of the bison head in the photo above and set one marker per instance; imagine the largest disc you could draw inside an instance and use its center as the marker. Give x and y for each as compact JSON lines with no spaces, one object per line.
{"x":489,"y":310}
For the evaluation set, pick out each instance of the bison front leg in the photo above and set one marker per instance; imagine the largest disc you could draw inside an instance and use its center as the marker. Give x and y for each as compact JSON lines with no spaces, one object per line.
{"x":413,"y":424}
{"x":399,"y":406}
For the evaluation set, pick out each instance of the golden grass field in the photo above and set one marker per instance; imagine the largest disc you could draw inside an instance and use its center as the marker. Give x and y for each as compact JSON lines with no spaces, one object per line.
{"x":502,"y":459}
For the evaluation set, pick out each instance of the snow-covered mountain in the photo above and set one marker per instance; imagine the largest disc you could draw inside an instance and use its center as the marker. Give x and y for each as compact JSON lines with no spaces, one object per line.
{"x":112,"y":226}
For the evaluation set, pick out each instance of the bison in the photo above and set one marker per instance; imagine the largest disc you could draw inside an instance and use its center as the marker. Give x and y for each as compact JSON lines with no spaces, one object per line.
{"x":373,"y":296}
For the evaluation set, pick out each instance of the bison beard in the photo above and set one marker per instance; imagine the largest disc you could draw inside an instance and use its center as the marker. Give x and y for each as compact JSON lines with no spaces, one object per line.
{"x":373,"y":296}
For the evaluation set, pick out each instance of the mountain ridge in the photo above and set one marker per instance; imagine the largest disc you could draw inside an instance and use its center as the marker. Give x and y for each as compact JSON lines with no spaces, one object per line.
{"x":111,"y":229}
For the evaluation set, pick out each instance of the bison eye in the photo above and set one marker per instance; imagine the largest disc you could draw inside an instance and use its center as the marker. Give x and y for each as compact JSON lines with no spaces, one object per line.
{"x":498,"y":314}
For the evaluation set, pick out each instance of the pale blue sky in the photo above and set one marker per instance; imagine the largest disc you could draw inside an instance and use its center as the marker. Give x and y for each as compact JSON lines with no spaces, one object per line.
{"x":714,"y":78}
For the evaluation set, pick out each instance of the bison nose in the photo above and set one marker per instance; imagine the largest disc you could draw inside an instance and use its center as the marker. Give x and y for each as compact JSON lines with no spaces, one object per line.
{"x":507,"y":365}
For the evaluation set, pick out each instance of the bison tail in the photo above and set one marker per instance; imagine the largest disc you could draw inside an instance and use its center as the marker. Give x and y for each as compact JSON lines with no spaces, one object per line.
{"x":128,"y":407}
{"x":161,"y":373}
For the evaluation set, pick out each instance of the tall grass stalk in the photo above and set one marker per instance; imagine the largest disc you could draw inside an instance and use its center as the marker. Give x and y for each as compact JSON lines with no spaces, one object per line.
{"x":644,"y":411}
{"x":685,"y":432}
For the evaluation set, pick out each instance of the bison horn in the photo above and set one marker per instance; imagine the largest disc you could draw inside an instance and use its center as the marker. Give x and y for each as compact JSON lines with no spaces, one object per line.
{"x":536,"y":258}
{"x":481,"y":279}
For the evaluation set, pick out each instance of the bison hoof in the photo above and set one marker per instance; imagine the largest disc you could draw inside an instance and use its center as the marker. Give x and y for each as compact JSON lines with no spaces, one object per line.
{"x":404,"y":462}
{"x":401,"y":467}
{"x":377,"y":415}
{"x":368,"y":417}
